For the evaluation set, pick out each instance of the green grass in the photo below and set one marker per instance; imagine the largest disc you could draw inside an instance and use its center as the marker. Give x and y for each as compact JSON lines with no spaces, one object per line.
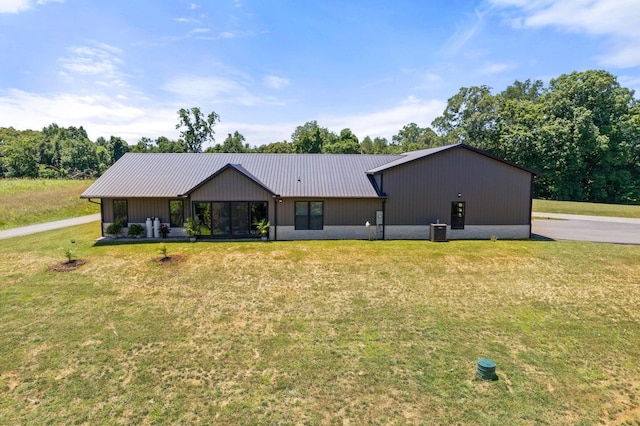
{"x":589,"y":209}
{"x":30,"y":201}
{"x":318,"y":332}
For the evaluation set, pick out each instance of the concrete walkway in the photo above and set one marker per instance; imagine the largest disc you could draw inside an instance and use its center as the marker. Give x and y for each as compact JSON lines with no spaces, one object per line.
{"x":598,"y":229}
{"x":41,"y":227}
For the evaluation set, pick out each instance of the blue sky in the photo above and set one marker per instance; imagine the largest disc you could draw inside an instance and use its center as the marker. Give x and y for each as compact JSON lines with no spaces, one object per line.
{"x":124,"y":68}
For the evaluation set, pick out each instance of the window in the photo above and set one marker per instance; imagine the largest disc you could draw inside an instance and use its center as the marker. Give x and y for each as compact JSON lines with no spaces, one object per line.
{"x":120,"y":213}
{"x":176,"y":213}
{"x":309,"y":215}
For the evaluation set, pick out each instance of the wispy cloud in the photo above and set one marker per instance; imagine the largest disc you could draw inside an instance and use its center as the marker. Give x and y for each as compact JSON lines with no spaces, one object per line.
{"x":615,"y":20}
{"x":17,"y":6}
{"x":275,"y":82}
{"x":464,"y":33}
{"x":495,"y":68}
{"x":215,"y":89}
{"x":92,"y":60}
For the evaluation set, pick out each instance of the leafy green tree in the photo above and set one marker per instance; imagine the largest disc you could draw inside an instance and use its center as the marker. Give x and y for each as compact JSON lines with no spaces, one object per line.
{"x":586,"y":139}
{"x":470,"y":117}
{"x":164,"y":144}
{"x":310,"y":138}
{"x":196,"y":128}
{"x":20,"y":159}
{"x":233,"y":143}
{"x":282,"y":147}
{"x":346,"y":143}
{"x":412,"y":138}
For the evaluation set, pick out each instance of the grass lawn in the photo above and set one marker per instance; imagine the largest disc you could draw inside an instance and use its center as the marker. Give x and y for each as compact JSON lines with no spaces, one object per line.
{"x":589,"y":209}
{"x":28,"y":201}
{"x":318,"y":332}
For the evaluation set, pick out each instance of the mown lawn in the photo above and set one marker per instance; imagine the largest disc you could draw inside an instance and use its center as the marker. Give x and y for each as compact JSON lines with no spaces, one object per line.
{"x":28,"y":201}
{"x":317,"y":332}
{"x":589,"y":209}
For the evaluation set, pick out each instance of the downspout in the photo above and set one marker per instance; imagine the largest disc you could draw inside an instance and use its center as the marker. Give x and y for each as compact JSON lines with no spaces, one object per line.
{"x":384,"y":217}
{"x":531,"y":207}
{"x":384,"y":203}
{"x":276,"y":200}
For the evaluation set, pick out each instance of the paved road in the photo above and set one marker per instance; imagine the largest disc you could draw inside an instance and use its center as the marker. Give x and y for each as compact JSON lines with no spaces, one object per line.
{"x":41,"y":227}
{"x":586,"y":228}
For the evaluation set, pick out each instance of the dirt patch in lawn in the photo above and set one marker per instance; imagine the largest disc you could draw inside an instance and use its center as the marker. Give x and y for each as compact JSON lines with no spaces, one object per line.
{"x":170,"y":260}
{"x":67,"y":266}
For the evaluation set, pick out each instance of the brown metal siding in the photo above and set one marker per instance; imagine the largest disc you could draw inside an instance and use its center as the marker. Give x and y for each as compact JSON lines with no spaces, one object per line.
{"x":139,"y":209}
{"x":337,"y":211}
{"x":421,"y":192}
{"x":230,"y":186}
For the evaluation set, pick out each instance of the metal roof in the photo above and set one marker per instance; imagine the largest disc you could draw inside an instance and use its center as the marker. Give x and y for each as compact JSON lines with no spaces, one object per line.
{"x":287,"y":175}
{"x":414,"y":155}
{"x":410,"y":156}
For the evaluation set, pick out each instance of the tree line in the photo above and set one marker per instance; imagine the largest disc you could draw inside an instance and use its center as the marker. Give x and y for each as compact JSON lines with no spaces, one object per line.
{"x":581,"y":132}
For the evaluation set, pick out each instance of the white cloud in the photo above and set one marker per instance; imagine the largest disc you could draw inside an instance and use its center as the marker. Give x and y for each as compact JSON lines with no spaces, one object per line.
{"x":387,"y":123}
{"x":617,"y":20}
{"x":217,"y":90}
{"x":17,"y":6}
{"x":99,"y":115}
{"x":275,"y":82}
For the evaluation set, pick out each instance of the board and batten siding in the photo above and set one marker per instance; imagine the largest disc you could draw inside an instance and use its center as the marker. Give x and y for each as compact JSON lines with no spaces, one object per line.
{"x":336,"y":211}
{"x":420,"y":192}
{"x":230,"y":185}
{"x":139,"y":209}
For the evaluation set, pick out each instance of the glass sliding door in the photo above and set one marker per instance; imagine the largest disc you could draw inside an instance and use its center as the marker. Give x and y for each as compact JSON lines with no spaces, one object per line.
{"x":258,"y":212}
{"x":240,"y":226}
{"x":220,"y":219}
{"x":202,"y":216}
{"x":229,"y":219}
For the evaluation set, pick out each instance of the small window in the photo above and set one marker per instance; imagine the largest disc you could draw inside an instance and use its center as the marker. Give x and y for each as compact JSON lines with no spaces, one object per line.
{"x":176,"y":213}
{"x":309,"y":215}
{"x":120,"y":213}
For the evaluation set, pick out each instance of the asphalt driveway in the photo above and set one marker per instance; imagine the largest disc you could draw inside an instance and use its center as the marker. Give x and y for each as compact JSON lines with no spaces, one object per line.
{"x":586,"y":228}
{"x":41,"y":227}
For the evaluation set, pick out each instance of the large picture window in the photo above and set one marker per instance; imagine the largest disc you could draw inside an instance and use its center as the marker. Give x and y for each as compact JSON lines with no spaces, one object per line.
{"x":120,"y":214}
{"x":176,"y":213}
{"x":309,"y":215}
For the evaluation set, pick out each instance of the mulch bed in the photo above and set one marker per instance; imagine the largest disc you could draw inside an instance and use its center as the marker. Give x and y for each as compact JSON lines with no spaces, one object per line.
{"x":67,"y":266}
{"x":174,"y":258}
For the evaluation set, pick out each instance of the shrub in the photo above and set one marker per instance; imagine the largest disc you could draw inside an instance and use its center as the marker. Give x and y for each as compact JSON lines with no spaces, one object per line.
{"x":136,"y":230}
{"x":115,"y":229}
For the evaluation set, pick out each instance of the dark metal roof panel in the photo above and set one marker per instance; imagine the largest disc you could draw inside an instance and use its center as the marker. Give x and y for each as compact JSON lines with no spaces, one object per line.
{"x":289,"y":175}
{"x":414,"y":155}
{"x":410,"y":156}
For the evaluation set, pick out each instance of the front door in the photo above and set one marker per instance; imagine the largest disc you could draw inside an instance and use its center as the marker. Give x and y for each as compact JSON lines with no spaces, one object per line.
{"x":457,"y":214}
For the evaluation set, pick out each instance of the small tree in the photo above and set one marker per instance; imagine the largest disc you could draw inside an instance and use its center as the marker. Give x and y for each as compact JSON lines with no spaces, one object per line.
{"x":196,"y":129}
